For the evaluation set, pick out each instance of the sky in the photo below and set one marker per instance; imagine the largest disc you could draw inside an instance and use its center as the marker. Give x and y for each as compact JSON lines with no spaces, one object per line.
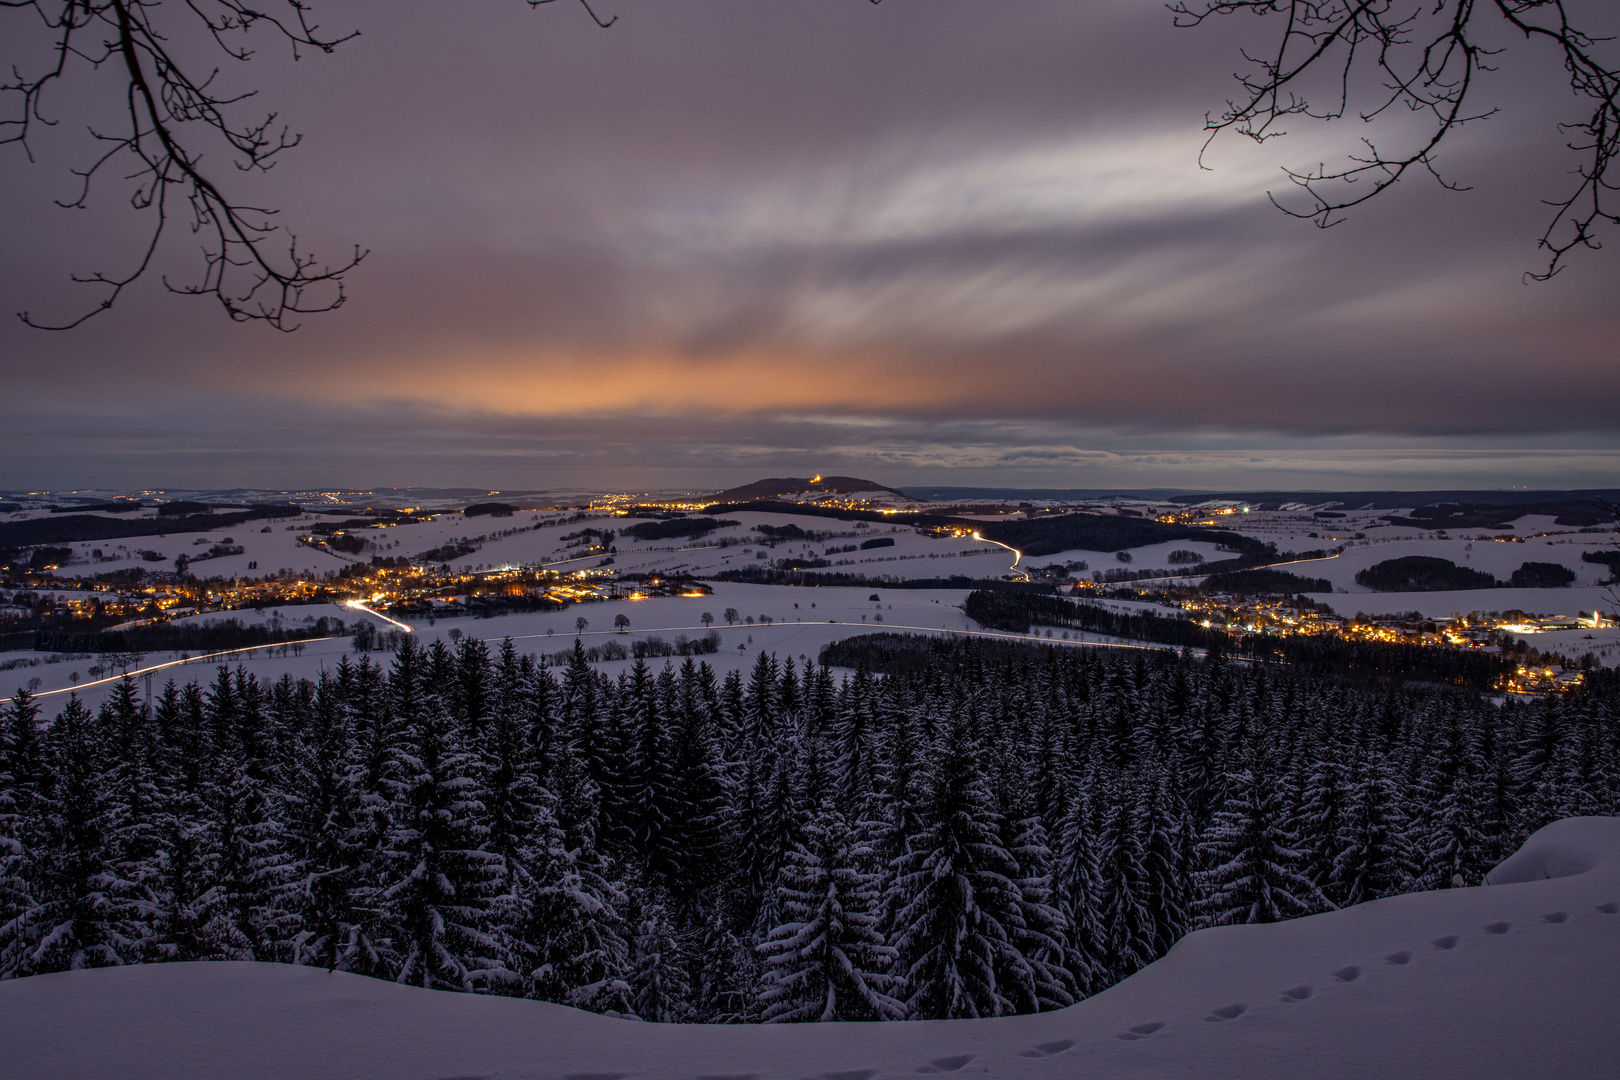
{"x":943,"y":242}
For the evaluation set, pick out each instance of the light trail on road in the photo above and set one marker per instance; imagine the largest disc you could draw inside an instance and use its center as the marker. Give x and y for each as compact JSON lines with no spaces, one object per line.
{"x":360,"y":605}
{"x":1018,"y":556}
{"x":177,"y":663}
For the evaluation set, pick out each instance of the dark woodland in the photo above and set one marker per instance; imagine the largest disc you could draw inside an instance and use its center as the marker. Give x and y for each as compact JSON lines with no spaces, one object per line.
{"x":974,"y":831}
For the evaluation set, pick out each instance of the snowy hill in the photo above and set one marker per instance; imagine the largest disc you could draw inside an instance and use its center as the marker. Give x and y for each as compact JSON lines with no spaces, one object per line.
{"x":1518,"y":978}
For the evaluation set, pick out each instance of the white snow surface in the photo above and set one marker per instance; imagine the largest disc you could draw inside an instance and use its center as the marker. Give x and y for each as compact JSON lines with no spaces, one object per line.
{"x":1518,"y":978}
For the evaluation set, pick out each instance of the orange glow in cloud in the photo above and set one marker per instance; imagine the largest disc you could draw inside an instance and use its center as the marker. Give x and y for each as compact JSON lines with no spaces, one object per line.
{"x":654,"y":383}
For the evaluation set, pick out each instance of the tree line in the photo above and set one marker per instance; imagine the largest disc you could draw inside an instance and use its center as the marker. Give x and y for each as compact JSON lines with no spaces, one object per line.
{"x":981,"y":831}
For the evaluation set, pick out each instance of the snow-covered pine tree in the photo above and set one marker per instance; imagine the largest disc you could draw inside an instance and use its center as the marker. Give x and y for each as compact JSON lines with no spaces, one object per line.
{"x":22,"y":787}
{"x":648,"y":785}
{"x":1252,"y":867}
{"x":76,"y":915}
{"x":1160,"y":824}
{"x":1375,"y":853}
{"x":957,"y":905}
{"x":256,"y":917}
{"x":324,"y":810}
{"x":1452,"y":840}
{"x":1126,"y":918}
{"x":187,"y":872}
{"x":441,"y":880}
{"x":698,"y":794}
{"x":778,"y":825}
{"x":662,"y":988}
{"x":472,"y":694}
{"x":1316,"y":822}
{"x":826,"y":960}
{"x":558,"y":922}
{"x":1044,"y":937}
{"x":856,"y":744}
{"x":133,"y":798}
{"x":727,"y":980}
{"x":1077,"y":891}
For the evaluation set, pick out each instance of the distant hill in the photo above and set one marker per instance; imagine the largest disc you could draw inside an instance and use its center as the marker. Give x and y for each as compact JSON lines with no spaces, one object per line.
{"x":777,"y":486}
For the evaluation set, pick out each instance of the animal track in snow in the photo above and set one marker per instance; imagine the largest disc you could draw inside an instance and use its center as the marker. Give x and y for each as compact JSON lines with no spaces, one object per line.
{"x":1447,"y":942}
{"x":1555,"y":916}
{"x":1047,"y":1049}
{"x":1141,"y":1031}
{"x":1610,"y":908}
{"x":1498,"y":927}
{"x":1227,"y":1012}
{"x":1402,"y":957}
{"x":946,"y":1064}
{"x":848,"y":1074}
{"x":1348,"y":974}
{"x":1298,"y":993}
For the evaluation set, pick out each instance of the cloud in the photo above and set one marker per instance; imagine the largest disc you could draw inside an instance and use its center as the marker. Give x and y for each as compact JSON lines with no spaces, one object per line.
{"x":730,"y":236}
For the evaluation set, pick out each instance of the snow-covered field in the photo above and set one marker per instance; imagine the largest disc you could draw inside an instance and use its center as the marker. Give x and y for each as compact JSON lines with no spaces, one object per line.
{"x":1493,"y":557}
{"x":1516,"y":979}
{"x":274,"y":547}
{"x":803,"y":620}
{"x":1572,"y":601}
{"x":803,"y":629}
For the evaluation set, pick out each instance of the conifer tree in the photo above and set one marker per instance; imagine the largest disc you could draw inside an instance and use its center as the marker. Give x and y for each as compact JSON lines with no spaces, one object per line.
{"x":1125,"y":916}
{"x":826,"y":960}
{"x":1160,"y":825}
{"x":1252,"y":873}
{"x":188,"y":870}
{"x":1043,"y":939}
{"x":1374,"y":856}
{"x":79,"y":914}
{"x":1077,"y":892}
{"x":441,"y":877}
{"x":661,"y":985}
{"x":325,"y":806}
{"x":22,"y":790}
{"x":257,"y":883}
{"x":958,"y":902}
{"x":727,"y":980}
{"x":698,"y":796}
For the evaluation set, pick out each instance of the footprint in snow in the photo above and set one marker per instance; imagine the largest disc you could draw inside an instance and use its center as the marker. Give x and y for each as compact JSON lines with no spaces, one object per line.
{"x":1141,"y":1031}
{"x":1447,"y":942}
{"x":1399,"y":958}
{"x":1226,"y":1012}
{"x":1555,"y":916}
{"x":1498,"y":927}
{"x":1348,"y":974}
{"x":946,"y":1064}
{"x":1047,"y":1049}
{"x":1610,"y":908}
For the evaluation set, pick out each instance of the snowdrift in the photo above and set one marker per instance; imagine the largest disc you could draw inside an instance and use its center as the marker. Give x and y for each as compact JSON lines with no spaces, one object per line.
{"x":1518,"y":978}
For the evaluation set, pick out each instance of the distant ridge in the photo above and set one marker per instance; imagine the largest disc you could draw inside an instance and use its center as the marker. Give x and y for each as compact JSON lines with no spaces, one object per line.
{"x":1397,"y":500}
{"x":777,"y":486}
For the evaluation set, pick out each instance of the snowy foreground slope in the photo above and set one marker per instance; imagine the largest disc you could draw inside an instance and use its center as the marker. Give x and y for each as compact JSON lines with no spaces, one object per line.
{"x":1519,"y":978}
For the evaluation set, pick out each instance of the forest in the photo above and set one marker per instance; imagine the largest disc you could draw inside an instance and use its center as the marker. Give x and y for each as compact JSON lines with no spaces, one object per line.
{"x":981,"y":830}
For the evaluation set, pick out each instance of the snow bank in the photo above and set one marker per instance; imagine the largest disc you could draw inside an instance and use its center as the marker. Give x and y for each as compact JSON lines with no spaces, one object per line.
{"x":1520,"y":978}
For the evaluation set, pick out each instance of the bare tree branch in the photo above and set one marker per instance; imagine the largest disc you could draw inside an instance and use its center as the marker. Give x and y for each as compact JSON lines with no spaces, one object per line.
{"x":1425,"y":55}
{"x":170,"y":112}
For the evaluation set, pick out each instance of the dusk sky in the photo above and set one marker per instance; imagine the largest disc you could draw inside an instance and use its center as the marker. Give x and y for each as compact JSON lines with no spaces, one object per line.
{"x":930,"y":241}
